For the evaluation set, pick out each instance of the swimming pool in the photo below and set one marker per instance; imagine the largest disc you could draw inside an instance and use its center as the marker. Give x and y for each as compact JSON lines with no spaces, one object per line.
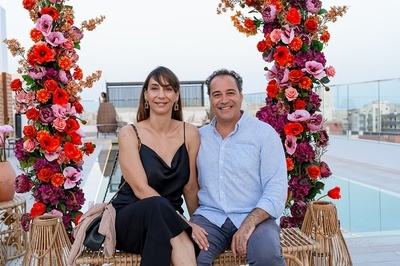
{"x":365,"y":209}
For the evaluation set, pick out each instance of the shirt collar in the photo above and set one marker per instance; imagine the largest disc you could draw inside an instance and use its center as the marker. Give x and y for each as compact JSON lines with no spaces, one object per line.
{"x":239,"y":123}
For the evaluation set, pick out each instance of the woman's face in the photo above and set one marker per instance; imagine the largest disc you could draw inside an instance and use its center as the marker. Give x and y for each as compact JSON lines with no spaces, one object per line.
{"x":161,"y":97}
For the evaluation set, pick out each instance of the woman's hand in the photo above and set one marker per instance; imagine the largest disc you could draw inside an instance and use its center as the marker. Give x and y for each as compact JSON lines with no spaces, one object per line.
{"x":199,"y":235}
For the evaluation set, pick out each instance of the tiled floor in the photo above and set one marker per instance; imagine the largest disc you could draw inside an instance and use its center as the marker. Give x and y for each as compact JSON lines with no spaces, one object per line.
{"x":364,"y":250}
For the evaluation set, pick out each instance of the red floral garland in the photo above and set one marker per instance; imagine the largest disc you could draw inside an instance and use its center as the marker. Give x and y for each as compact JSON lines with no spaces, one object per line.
{"x":51,"y":151}
{"x":294,"y":35}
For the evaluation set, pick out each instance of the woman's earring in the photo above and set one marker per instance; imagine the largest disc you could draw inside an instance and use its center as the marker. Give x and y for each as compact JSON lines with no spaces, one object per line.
{"x":146,"y":104}
{"x":176,"y":106}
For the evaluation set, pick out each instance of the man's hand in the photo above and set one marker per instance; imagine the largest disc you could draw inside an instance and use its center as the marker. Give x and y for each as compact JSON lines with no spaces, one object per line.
{"x":242,"y":236}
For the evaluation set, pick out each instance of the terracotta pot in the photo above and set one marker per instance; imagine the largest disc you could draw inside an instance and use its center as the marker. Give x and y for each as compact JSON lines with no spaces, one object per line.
{"x":7,"y":178}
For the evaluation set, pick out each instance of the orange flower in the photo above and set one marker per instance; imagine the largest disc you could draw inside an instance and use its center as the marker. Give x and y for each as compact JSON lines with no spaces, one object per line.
{"x":51,"y":85}
{"x":334,"y":193}
{"x":293,"y":129}
{"x":57,"y":180}
{"x":296,"y":44}
{"x":293,"y":16}
{"x":249,"y":23}
{"x":276,"y":3}
{"x":272,"y":89}
{"x":281,"y":55}
{"x":45,"y":175}
{"x":60,"y":96}
{"x":78,"y":74}
{"x":29,"y":131}
{"x":16,"y":85}
{"x":43,"y":95}
{"x":313,"y":171}
{"x":33,"y":114}
{"x":40,"y":53}
{"x":295,"y":75}
{"x":72,"y":152}
{"x":325,"y":36}
{"x":36,"y":35}
{"x":65,"y":63}
{"x":305,"y":83}
{"x":311,"y":25}
{"x":38,"y":209}
{"x":289,"y":164}
{"x":47,"y":142}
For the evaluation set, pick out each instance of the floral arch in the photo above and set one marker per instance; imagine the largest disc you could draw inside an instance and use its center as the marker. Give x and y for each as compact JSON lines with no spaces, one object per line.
{"x":293,"y":34}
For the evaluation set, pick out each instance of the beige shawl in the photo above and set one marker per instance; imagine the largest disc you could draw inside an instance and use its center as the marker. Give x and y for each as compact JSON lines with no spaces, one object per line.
{"x":107,"y":228}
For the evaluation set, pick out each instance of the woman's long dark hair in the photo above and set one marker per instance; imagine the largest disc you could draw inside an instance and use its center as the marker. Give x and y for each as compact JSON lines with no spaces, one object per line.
{"x":158,"y":74}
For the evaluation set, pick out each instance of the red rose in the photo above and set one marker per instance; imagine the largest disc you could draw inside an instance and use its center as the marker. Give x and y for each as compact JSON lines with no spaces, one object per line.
{"x":334,"y":193}
{"x":16,"y":85}
{"x":311,"y":25}
{"x":299,"y":104}
{"x":29,"y":4}
{"x":272,"y":89}
{"x":262,"y":46}
{"x":29,"y":131}
{"x":77,"y":219}
{"x":293,"y":16}
{"x":45,"y":175}
{"x":313,"y":171}
{"x":295,"y":75}
{"x":33,"y":114}
{"x":38,"y":208}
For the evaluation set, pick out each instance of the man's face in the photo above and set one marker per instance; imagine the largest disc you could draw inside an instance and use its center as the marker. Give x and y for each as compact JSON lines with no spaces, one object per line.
{"x":225,"y":99}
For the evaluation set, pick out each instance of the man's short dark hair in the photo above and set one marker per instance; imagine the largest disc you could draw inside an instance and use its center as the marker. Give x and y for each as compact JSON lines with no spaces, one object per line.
{"x":221,"y":72}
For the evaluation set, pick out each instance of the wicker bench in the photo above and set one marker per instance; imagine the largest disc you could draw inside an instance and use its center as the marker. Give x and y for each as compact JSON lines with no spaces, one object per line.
{"x":297,"y":249}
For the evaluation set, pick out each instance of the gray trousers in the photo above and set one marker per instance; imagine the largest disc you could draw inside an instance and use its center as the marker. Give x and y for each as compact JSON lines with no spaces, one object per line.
{"x":263,"y":247}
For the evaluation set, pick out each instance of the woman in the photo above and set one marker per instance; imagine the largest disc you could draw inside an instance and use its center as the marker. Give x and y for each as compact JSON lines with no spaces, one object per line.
{"x":158,"y":164}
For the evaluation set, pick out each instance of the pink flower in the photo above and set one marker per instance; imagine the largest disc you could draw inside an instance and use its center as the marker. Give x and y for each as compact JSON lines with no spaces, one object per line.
{"x":287,"y":35}
{"x":330,"y":71}
{"x":59,"y":124}
{"x":314,"y":68}
{"x":55,"y":212}
{"x":291,"y":94}
{"x":275,"y":35}
{"x":298,"y":116}
{"x":72,"y":176}
{"x":313,"y":6}
{"x":44,"y":24}
{"x":269,"y":13}
{"x":290,"y":144}
{"x":51,"y":156}
{"x":315,"y":123}
{"x":30,"y":145}
{"x":63,"y":112}
{"x":55,"y":38}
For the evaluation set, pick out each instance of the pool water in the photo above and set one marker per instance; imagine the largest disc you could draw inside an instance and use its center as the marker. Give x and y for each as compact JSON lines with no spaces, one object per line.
{"x":364,"y":209}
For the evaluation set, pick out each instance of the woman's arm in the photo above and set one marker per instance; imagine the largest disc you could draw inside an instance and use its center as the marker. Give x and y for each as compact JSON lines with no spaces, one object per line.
{"x":131,"y":165}
{"x":192,"y":187}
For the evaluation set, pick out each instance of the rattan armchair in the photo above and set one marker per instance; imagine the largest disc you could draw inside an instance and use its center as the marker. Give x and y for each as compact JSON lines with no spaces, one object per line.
{"x":106,"y":119}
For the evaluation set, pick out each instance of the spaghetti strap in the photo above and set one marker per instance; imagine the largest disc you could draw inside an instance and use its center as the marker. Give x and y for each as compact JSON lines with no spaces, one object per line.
{"x":137,"y":135}
{"x":184,"y":132}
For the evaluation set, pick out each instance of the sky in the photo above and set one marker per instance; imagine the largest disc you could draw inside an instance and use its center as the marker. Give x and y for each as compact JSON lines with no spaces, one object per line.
{"x":191,"y":39}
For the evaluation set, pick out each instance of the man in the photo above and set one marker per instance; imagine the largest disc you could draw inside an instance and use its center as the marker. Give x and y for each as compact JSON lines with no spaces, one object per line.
{"x":242,"y":177}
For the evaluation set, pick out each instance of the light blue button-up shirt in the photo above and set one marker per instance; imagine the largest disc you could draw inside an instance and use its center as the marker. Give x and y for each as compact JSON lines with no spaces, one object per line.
{"x":244,"y":171}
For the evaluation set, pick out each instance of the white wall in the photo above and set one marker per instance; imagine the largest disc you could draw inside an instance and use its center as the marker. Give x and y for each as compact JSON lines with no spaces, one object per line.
{"x":382,"y":154}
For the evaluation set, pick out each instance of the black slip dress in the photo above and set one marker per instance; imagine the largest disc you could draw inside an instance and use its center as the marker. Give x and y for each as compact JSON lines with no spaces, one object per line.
{"x":146,"y":226}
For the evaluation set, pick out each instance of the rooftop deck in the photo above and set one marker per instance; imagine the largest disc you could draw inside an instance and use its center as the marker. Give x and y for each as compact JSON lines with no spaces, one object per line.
{"x":366,"y":250}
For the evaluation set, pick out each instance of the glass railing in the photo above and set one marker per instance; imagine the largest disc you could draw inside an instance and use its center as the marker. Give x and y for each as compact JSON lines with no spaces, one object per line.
{"x":367,"y":110}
